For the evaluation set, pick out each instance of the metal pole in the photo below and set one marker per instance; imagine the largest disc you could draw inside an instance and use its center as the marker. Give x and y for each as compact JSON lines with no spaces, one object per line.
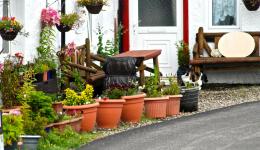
{"x":5,"y":44}
{"x":63,"y":35}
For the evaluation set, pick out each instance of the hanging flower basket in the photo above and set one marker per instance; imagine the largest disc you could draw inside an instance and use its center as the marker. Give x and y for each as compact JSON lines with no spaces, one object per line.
{"x":63,"y":28}
{"x":94,"y":9}
{"x":251,"y":5}
{"x":8,"y":36}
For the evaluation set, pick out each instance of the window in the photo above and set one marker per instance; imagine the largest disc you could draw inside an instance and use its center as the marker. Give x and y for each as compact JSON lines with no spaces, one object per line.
{"x":224,"y":14}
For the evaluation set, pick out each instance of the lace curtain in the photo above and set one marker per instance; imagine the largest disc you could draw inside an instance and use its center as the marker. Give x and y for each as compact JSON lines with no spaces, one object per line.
{"x":224,"y":12}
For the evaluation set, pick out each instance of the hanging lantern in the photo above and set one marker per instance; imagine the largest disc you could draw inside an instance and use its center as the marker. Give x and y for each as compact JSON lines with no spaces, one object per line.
{"x":252,"y":5}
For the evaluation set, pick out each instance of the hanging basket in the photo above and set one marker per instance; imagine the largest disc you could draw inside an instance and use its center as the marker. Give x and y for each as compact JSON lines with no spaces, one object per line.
{"x":63,"y":28}
{"x":8,"y":36}
{"x":94,"y":9}
{"x":251,"y":5}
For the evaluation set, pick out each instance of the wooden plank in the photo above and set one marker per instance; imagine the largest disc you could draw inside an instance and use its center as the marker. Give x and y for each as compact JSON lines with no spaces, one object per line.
{"x":216,"y":40}
{"x":256,"y":51}
{"x":98,"y":58}
{"x":87,"y":69}
{"x":222,"y":60}
{"x":213,"y":35}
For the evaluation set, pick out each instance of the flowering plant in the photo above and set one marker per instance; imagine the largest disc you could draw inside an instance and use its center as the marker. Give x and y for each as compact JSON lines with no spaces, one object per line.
{"x":86,"y":96}
{"x":50,"y":17}
{"x":10,"y":24}
{"x":71,"y":49}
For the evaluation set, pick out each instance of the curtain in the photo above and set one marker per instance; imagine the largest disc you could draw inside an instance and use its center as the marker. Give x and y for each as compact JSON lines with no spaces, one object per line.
{"x":224,"y":12}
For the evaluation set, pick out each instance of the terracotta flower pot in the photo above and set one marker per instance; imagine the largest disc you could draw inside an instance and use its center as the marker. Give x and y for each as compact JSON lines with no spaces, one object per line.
{"x":133,"y":108}
{"x":155,"y":107}
{"x":57,"y":106}
{"x":109,"y":113}
{"x":45,"y":76}
{"x":173,"y":105}
{"x":89,"y":114}
{"x":74,"y":123}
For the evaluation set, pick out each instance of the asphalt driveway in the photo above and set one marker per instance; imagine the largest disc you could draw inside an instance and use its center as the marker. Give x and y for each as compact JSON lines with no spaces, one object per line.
{"x":232,"y":128}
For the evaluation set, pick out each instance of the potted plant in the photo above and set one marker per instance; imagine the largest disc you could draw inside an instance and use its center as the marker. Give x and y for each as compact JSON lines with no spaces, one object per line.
{"x":155,"y":104}
{"x":183,"y":60}
{"x":67,"y":21}
{"x":251,"y":5}
{"x":9,"y":79}
{"x":57,"y":103}
{"x":173,"y":103}
{"x":93,"y":6}
{"x":110,"y":108}
{"x":189,"y":101}
{"x":134,"y":103}
{"x":84,"y":103}
{"x":12,"y":129}
{"x":9,"y":28}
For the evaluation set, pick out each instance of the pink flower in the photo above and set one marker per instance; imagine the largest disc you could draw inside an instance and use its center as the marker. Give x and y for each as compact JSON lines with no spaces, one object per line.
{"x":71,"y":49}
{"x":15,"y":112}
{"x":1,"y":67}
{"x":50,"y":17}
{"x":18,"y":54}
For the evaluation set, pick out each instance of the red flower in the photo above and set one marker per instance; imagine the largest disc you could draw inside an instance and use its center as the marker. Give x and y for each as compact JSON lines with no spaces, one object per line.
{"x":13,"y":18}
{"x":5,"y":18}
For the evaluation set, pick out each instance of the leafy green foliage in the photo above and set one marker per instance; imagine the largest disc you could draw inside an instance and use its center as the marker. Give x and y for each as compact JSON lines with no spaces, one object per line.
{"x":118,"y":92}
{"x":46,"y":50}
{"x":152,"y":84}
{"x":33,"y":124}
{"x":73,"y":99}
{"x":9,"y":84}
{"x":172,"y":89}
{"x":183,"y":54}
{"x":12,"y":128}
{"x":69,"y":19}
{"x":111,"y":48}
{"x":78,"y":80}
{"x":66,"y":140}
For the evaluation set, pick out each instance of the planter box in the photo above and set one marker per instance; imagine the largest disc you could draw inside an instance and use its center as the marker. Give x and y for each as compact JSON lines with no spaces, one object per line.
{"x":75,"y":124}
{"x":189,"y":101}
{"x":173,"y":105}
{"x":30,"y":142}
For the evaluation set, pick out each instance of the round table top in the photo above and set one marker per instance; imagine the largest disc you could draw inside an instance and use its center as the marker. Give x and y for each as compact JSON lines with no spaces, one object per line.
{"x":236,"y":44}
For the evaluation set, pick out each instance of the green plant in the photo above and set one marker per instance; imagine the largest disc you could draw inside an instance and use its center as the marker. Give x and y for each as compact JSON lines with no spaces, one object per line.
{"x":33,"y":125}
{"x":78,"y":80}
{"x":9,"y":83}
{"x":91,"y":2}
{"x":172,"y":89}
{"x":12,"y":128}
{"x":86,"y":96}
{"x":10,"y":24}
{"x":152,"y":84}
{"x":189,"y":85}
{"x":69,"y":19}
{"x":110,"y":48}
{"x":117,"y":91}
{"x":183,"y":54}
{"x":66,"y":140}
{"x":46,"y":50}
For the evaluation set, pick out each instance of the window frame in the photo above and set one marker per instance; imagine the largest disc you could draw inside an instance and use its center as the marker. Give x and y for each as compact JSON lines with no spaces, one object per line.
{"x":210,"y":17}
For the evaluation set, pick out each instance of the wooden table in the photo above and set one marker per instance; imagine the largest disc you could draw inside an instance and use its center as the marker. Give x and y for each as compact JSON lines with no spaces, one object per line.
{"x":143,"y":55}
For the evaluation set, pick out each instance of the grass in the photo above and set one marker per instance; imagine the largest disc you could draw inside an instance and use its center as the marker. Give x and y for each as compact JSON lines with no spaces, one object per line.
{"x":70,"y":139}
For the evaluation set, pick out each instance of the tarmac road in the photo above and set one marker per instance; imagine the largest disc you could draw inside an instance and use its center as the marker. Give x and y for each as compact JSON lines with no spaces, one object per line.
{"x":232,"y":128}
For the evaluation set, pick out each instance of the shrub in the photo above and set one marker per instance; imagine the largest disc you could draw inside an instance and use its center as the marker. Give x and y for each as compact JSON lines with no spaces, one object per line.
{"x":172,"y":89}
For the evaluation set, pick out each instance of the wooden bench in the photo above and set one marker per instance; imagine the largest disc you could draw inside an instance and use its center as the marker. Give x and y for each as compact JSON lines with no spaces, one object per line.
{"x":202,"y":44}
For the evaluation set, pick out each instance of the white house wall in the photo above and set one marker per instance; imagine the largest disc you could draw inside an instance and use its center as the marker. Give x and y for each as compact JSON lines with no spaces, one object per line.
{"x":28,"y":12}
{"x":199,"y":17}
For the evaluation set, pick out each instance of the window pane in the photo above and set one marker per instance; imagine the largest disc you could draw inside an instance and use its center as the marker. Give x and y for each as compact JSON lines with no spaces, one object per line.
{"x":224,"y":12}
{"x":157,"y":12}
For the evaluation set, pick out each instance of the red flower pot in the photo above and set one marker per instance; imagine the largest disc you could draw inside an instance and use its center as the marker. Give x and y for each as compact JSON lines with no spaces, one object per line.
{"x":75,"y":124}
{"x":133,"y":108}
{"x":155,"y":107}
{"x":89,"y":114}
{"x":109,"y":113}
{"x":173,"y":105}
